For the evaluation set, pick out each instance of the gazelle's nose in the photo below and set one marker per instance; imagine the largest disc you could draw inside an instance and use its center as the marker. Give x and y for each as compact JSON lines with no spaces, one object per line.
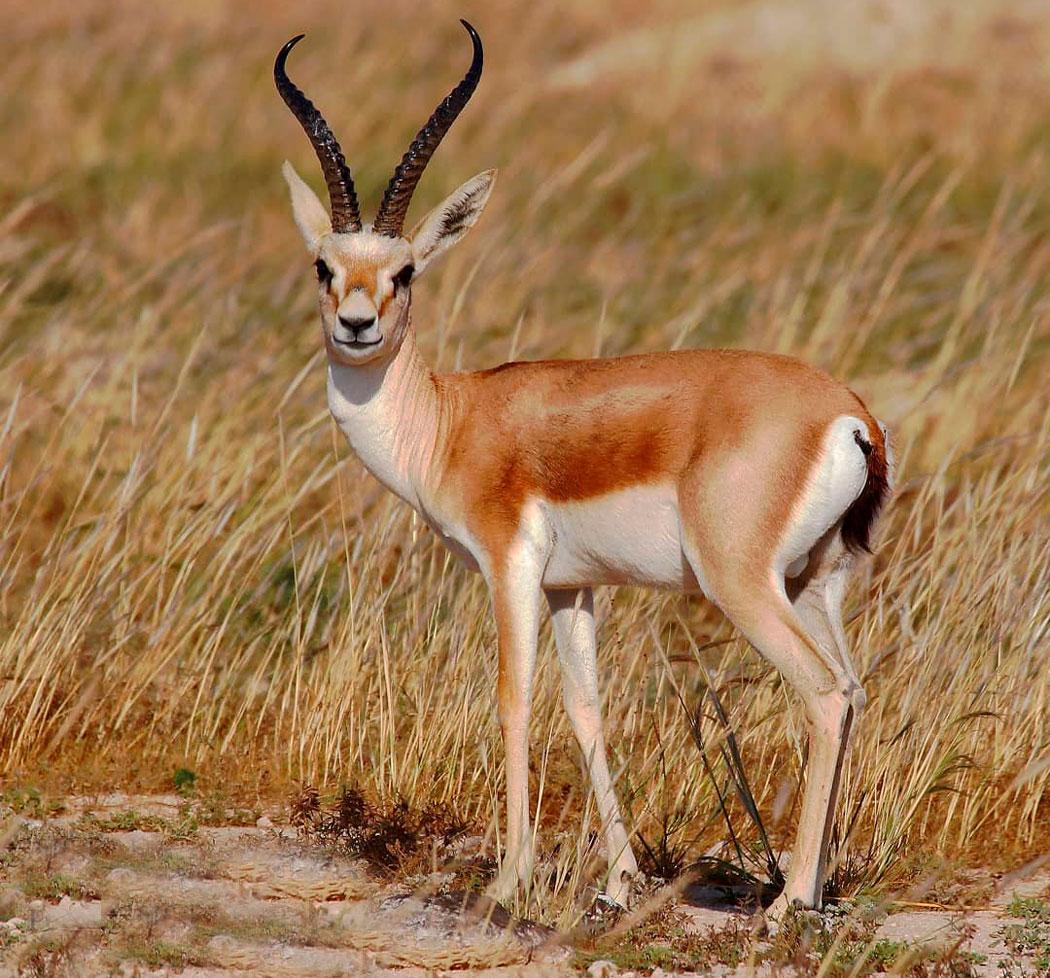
{"x":356,"y":324}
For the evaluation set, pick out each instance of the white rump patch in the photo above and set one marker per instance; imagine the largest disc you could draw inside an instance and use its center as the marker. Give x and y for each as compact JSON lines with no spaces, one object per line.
{"x":836,"y":481}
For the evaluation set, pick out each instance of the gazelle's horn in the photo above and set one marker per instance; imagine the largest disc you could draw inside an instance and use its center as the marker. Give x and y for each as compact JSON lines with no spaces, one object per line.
{"x":391,"y":217}
{"x":346,"y":216}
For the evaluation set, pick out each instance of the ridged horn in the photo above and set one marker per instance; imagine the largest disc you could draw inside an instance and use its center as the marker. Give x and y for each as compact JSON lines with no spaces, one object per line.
{"x":346,"y":215}
{"x":391,"y":217}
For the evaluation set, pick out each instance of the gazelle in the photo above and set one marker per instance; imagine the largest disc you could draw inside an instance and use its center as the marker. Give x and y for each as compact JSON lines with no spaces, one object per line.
{"x":751,"y":478}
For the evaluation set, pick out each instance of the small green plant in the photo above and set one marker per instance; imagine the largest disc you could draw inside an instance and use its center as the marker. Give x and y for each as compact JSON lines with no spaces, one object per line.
{"x":57,"y":885}
{"x":1027,"y":941}
{"x":9,"y":937}
{"x":165,"y":954}
{"x":185,"y":780}
{"x":30,"y":801}
{"x":123,"y":821}
{"x":216,"y":809}
{"x":884,"y":954}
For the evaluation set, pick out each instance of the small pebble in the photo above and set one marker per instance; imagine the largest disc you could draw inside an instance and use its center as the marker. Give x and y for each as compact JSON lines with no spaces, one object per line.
{"x":263,"y":822}
{"x":603,"y":968}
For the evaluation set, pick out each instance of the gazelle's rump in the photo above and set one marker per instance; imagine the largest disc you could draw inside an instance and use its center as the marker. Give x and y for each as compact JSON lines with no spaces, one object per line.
{"x":837,"y":481}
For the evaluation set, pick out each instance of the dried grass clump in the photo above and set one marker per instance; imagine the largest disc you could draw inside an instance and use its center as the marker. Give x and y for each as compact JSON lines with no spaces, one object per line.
{"x":388,"y":836}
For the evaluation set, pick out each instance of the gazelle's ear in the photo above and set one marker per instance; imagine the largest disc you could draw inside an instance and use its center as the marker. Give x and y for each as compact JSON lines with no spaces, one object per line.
{"x":451,"y":219}
{"x":313,"y":220}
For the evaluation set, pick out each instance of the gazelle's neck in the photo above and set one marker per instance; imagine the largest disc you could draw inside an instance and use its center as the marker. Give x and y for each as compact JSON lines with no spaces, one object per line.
{"x":390,"y":413}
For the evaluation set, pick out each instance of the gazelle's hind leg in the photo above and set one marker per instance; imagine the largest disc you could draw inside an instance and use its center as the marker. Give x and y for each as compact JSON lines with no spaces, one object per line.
{"x":572,"y":615}
{"x":817,"y":594}
{"x":756,"y":602}
{"x":739,"y":555}
{"x":766,"y":618}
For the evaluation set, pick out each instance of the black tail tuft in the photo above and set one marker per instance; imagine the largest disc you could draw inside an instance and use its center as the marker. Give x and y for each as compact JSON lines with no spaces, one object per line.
{"x":860,"y":517}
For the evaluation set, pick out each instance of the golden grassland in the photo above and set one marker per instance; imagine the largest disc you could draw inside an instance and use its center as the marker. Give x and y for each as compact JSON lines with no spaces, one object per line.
{"x":197,"y":574}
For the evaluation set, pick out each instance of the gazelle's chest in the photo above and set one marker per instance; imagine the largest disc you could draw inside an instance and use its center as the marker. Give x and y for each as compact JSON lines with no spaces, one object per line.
{"x":453,"y":533}
{"x":373,"y":445}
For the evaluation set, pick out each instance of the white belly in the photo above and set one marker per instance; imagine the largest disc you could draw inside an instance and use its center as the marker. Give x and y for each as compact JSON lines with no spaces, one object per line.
{"x":627,"y":537}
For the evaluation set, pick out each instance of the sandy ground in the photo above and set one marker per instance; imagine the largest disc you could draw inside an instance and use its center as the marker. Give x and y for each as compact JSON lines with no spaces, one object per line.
{"x":256,"y":900}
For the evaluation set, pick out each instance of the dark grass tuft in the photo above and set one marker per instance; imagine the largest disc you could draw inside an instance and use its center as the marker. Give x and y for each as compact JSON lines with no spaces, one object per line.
{"x":390,"y":837}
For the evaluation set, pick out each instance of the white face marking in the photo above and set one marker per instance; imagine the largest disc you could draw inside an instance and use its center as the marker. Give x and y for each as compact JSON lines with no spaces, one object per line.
{"x":631,"y":536}
{"x":836,"y":481}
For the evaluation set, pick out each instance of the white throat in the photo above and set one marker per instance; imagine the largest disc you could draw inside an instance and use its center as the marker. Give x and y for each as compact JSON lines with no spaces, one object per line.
{"x":389,"y":413}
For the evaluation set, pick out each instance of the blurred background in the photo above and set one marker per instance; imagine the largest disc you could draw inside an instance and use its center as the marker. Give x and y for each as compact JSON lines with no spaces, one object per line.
{"x":197,"y":574}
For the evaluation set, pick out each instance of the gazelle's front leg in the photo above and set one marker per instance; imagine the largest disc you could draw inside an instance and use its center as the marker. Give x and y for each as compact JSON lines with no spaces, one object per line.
{"x":515,"y":603}
{"x":572,"y":614}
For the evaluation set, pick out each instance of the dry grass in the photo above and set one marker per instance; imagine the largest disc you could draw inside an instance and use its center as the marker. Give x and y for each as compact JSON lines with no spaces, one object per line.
{"x":197,"y":574}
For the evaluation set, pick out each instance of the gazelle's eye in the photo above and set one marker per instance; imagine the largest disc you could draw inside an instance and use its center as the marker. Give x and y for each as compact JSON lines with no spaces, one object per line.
{"x":404,"y":277}
{"x":324,"y":273}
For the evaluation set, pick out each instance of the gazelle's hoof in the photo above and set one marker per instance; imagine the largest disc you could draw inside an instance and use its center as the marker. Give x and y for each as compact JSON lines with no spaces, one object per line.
{"x":504,"y":887}
{"x":602,"y":914}
{"x":783,"y":905}
{"x":603,"y":903}
{"x":618,"y":891}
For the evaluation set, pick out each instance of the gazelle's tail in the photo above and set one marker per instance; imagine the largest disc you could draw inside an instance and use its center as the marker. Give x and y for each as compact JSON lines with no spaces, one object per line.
{"x":864,"y":510}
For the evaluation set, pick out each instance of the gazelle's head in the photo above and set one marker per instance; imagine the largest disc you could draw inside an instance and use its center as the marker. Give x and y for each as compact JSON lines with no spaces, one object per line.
{"x":365,"y":272}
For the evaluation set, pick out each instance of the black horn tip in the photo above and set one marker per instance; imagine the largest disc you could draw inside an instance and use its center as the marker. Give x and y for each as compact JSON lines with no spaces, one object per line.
{"x":475,"y":37}
{"x":282,"y":55}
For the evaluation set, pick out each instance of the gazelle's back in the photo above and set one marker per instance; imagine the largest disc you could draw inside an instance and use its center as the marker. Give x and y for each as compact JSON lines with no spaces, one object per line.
{"x":573,"y":430}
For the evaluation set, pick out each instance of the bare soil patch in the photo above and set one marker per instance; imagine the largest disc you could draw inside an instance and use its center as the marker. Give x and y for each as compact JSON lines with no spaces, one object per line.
{"x":92,"y":893}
